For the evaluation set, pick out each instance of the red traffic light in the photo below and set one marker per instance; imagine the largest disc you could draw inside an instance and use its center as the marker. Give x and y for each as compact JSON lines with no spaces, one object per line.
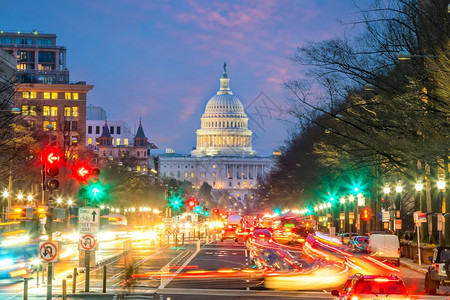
{"x":52,"y":157}
{"x":83,"y":172}
{"x":216,"y":210}
{"x":365,"y":213}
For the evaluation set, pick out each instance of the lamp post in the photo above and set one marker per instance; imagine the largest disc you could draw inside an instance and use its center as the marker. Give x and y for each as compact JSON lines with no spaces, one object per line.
{"x":386,"y":191}
{"x":441,"y":187}
{"x":398,"y":206}
{"x":419,"y":188}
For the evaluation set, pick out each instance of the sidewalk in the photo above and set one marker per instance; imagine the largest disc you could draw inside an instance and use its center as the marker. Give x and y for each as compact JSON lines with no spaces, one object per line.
{"x":410,"y":264}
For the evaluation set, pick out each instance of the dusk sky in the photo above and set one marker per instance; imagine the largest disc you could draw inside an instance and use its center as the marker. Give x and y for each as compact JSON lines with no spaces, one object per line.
{"x":162,"y":60}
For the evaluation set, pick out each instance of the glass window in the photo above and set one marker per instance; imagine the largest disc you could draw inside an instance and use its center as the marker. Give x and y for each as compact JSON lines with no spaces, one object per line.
{"x":74,"y":111}
{"x":74,"y":125}
{"x":111,"y":129}
{"x":97,"y":129}
{"x":25,"y":95}
{"x":46,"y":56}
{"x":89,"y":129}
{"x":75,"y":96}
{"x":66,"y":125}
{"x":5,"y":41}
{"x":118,"y":129}
{"x":25,"y":110}
{"x":46,"y":123}
{"x":186,"y":174}
{"x":118,"y":141}
{"x":32,"y":110}
{"x":54,"y":111}
{"x":89,"y":141}
{"x":54,"y":125}
{"x":192,"y":174}
{"x":67,"y":96}
{"x":46,"y":95}
{"x":54,"y":95}
{"x":33,"y":95}
{"x":46,"y":110}
{"x":66,"y":111}
{"x":125,"y":142}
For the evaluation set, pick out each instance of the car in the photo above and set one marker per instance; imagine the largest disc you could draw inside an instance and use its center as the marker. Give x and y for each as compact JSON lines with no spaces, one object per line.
{"x":359,"y":243}
{"x":385,"y":247}
{"x":345,"y":237}
{"x":439,"y":272}
{"x":372,"y":287}
{"x":261,"y":234}
{"x":229,"y":232}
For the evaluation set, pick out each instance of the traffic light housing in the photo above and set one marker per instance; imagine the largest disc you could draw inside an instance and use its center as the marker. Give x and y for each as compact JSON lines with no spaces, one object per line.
{"x":366,"y":214}
{"x":51,"y":164}
{"x":84,"y":172}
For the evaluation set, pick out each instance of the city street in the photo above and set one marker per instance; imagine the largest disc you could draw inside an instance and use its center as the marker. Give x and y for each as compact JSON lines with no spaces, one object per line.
{"x":183,"y":273}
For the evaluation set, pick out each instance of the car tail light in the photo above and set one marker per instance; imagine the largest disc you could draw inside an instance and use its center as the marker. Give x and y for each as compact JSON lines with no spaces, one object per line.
{"x":398,"y":251}
{"x":355,"y":298}
{"x":436,"y":267}
{"x":381,"y":279}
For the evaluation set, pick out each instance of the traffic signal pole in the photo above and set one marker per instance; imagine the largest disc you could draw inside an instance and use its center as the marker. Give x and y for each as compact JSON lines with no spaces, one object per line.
{"x":50,"y":238}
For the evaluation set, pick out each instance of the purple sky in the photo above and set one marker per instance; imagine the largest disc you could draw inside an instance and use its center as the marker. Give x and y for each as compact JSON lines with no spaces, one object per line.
{"x":162,"y":60}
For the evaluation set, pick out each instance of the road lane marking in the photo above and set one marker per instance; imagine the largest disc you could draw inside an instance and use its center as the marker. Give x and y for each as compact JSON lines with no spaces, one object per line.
{"x":163,"y":285}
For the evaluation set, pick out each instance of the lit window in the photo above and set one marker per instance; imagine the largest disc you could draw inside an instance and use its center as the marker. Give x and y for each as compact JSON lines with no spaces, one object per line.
{"x":192,"y":174}
{"x":214,"y":166}
{"x":54,"y":125}
{"x":138,"y":168}
{"x":74,"y":111}
{"x":214,"y":174}
{"x":25,"y":95}
{"x":75,"y":96}
{"x":54,"y":111}
{"x":25,"y":110}
{"x":33,"y":95}
{"x":46,"y":110}
{"x":125,"y":142}
{"x":117,"y":142}
{"x":66,"y":111}
{"x":46,"y":95}
{"x":89,"y":141}
{"x":186,"y":174}
{"x":32,"y":110}
{"x":54,"y":95}
{"x":67,"y":96}
{"x":46,"y":123}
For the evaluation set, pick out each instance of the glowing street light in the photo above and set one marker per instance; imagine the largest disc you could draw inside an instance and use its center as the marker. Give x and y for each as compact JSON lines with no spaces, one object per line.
{"x":419,"y":186}
{"x":20,"y":196}
{"x":441,"y":184}
{"x":351,"y":198}
{"x":70,"y":202}
{"x":5,"y":194}
{"x":342,"y":200}
{"x":386,"y":190}
{"x":59,"y":200}
{"x":398,"y":188}
{"x":30,"y":198}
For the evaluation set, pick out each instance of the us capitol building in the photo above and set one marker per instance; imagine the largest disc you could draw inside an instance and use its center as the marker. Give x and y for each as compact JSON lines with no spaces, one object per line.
{"x":224,"y":157}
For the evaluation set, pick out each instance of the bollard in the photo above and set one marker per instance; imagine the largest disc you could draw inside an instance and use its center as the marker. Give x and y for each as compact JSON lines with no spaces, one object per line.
{"x":104,"y":279}
{"x":74,"y":282}
{"x":37,"y":275}
{"x":182,"y":239}
{"x":198,"y":245}
{"x":64,"y":290}
{"x":193,"y":234}
{"x":25,"y":289}
{"x":160,"y":240}
{"x":175,"y":237}
{"x":168,"y":241}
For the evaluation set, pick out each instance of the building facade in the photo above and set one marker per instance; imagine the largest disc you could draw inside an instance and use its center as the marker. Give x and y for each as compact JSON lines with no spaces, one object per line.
{"x":136,"y":157}
{"x":224,"y":157}
{"x":47,"y":100}
{"x":118,"y":129}
{"x":39,"y":59}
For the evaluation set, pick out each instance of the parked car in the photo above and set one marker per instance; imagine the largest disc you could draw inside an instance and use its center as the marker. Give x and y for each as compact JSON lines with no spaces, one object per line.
{"x":439,"y":272}
{"x":373,"y":287}
{"x":385,"y":247}
{"x":359,"y":243}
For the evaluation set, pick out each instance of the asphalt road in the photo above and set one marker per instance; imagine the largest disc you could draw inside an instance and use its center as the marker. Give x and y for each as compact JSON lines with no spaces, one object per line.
{"x":161,"y":274}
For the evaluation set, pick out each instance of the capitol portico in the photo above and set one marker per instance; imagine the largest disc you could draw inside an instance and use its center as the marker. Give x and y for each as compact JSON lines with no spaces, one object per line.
{"x":224,"y":157}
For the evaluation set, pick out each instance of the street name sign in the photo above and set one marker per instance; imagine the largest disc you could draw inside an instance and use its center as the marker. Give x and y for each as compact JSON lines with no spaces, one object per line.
{"x":88,"y":242}
{"x":88,"y":220}
{"x":48,"y":252}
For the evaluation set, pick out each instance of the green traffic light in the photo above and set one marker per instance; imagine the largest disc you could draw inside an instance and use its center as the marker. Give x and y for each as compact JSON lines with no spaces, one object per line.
{"x":206,"y":213}
{"x":176,"y":202}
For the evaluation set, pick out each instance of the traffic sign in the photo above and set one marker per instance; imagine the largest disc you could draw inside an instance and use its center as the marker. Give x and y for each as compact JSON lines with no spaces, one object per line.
{"x":168,"y":231}
{"x":48,"y":252}
{"x":88,"y":242}
{"x":386,"y":216}
{"x":88,"y":220}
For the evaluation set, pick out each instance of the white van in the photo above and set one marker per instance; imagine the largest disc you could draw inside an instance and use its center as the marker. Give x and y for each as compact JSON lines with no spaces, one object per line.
{"x":385,"y":247}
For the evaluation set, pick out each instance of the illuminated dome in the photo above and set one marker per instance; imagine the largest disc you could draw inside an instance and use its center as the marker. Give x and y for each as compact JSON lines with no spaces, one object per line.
{"x":224,"y":125}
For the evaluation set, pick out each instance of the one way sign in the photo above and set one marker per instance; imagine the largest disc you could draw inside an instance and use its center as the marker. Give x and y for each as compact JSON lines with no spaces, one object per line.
{"x":88,"y":220}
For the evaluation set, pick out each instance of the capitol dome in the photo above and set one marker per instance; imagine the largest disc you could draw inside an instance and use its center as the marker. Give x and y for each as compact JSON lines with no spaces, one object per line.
{"x":224,"y":125}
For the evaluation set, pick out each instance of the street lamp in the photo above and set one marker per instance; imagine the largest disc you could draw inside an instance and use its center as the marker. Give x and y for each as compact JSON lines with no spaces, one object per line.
{"x":70,"y":202}
{"x":441,"y":186}
{"x":59,"y":200}
{"x":30,"y":198}
{"x":20,"y":196}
